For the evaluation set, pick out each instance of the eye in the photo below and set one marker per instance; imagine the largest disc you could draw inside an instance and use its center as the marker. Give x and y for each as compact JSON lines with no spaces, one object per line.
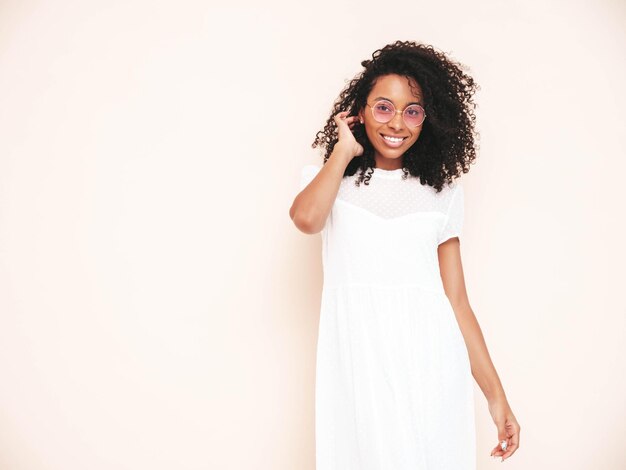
{"x":383,"y":107}
{"x":414,"y":111}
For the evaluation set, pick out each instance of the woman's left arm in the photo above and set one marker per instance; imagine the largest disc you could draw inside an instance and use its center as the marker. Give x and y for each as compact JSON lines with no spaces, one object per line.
{"x":483,"y":370}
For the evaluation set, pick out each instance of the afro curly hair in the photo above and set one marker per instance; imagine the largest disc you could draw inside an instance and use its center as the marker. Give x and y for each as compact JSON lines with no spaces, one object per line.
{"x":447,"y":145}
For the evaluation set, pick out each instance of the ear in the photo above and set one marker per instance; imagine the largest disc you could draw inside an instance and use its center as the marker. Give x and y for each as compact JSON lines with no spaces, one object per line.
{"x":361,"y":117}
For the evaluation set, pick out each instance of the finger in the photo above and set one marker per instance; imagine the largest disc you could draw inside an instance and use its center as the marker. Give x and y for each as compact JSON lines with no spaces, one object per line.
{"x":502,"y":452}
{"x":509,"y":451}
{"x":497,"y":450}
{"x":341,"y":120}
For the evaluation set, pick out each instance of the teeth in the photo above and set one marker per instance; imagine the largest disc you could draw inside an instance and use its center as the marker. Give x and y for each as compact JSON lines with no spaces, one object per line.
{"x":393,"y":139}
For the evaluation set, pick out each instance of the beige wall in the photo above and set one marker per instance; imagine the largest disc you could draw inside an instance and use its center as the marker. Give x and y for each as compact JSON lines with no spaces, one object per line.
{"x":158,"y":309}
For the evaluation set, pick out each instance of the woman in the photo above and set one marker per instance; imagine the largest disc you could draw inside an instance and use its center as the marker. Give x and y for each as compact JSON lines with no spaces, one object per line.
{"x":398,"y":341}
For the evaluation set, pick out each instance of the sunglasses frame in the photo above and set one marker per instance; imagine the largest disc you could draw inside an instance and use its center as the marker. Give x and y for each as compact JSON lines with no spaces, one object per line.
{"x":396,"y":112}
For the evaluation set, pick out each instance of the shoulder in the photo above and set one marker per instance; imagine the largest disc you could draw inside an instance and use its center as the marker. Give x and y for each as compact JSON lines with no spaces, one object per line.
{"x":456,"y":188}
{"x":449,"y":198}
{"x":456,"y":197}
{"x":448,"y":191}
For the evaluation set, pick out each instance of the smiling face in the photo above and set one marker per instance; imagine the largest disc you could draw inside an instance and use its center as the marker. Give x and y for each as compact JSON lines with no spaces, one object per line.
{"x":401,"y":92}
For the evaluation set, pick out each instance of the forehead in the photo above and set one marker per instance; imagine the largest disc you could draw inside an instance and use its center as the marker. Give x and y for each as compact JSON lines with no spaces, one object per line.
{"x":398,"y":88}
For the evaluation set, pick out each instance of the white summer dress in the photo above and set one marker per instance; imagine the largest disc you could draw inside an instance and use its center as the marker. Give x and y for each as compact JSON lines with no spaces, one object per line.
{"x":394,"y":389}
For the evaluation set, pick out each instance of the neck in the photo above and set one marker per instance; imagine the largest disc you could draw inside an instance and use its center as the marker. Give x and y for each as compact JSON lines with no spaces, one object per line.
{"x":388,"y":163}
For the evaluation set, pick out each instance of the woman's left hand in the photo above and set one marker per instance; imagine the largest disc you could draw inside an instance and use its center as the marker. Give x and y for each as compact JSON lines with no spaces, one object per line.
{"x":508,"y":428}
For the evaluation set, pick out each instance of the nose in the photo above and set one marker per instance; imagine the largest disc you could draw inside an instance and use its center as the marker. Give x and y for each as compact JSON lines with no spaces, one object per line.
{"x":397,"y":122}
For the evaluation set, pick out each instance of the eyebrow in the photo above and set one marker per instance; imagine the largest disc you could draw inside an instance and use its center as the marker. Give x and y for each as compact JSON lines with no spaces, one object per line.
{"x":408,"y":104}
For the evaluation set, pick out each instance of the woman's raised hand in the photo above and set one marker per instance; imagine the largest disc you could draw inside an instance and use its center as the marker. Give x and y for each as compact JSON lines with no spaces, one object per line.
{"x":344,"y":131}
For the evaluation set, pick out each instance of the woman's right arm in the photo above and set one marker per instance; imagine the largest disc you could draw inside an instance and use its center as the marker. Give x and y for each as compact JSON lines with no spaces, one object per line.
{"x":312,"y":205}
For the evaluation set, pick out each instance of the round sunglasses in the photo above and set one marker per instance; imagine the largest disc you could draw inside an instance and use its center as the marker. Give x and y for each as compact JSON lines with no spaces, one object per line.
{"x":384,"y":111}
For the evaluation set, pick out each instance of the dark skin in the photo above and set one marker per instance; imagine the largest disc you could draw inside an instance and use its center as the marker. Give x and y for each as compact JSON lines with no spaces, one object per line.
{"x":400,"y":92}
{"x":312,"y":206}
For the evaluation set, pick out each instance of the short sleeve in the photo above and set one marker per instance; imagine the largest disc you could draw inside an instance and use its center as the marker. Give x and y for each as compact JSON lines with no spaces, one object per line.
{"x":307,"y":174}
{"x":454,"y":218}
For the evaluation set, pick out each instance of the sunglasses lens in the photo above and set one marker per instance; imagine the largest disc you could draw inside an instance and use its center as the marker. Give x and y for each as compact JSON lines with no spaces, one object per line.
{"x":383,"y":111}
{"x":414,"y":115}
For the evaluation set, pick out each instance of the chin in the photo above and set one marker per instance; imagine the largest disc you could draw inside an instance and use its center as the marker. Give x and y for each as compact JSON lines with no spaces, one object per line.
{"x":391,"y":153}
